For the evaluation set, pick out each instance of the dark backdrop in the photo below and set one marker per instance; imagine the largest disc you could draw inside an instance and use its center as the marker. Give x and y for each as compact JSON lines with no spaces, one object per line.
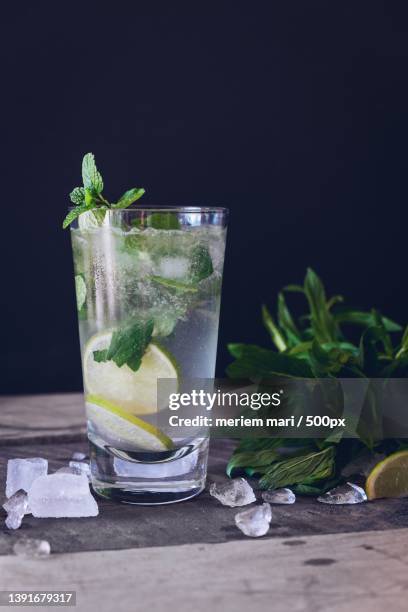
{"x":293,"y":114}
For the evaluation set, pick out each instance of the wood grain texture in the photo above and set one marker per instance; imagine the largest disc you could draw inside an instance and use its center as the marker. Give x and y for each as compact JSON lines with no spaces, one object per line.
{"x":364,"y":572}
{"x":200,"y":520}
{"x":41,"y":418}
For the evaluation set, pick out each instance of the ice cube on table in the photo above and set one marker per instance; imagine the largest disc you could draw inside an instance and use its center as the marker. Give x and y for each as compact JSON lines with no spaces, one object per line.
{"x":176,"y":268}
{"x":80,"y":467}
{"x":16,"y":507}
{"x":279,"y":496}
{"x":21,"y":473}
{"x":13,"y":520}
{"x":18,"y":502}
{"x":32,"y":548}
{"x":62,"y":495}
{"x":255,"y":521}
{"x":233,"y":493}
{"x":78,"y":456}
{"x":348,"y":493}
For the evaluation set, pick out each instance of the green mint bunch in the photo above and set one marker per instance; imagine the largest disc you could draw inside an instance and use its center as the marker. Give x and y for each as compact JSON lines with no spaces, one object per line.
{"x":90,"y":198}
{"x":320,"y":343}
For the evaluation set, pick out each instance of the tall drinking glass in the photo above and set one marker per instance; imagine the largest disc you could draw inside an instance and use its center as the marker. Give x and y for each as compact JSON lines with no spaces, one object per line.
{"x":148,"y":284}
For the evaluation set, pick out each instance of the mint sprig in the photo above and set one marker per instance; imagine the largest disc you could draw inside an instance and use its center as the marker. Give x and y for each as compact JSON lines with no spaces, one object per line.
{"x":90,"y":197}
{"x":128,"y":345}
{"x":318,"y":344}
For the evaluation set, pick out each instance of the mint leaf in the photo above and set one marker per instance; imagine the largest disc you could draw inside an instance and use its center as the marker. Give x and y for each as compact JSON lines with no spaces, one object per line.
{"x":90,"y":175}
{"x":365,"y":319}
{"x":201,"y":264}
{"x":323,"y":324}
{"x":100,"y":356}
{"x":89,"y":197}
{"x":129,"y":197}
{"x":128,"y":345}
{"x":174,"y":284}
{"x":73,"y":214}
{"x":164,"y":221}
{"x":275,"y":333}
{"x":77,"y":195}
{"x":304,"y":469}
{"x":255,"y":363}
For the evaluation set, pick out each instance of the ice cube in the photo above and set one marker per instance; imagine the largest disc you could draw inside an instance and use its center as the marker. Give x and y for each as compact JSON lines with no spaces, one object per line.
{"x":175,"y":268}
{"x":235,"y":492}
{"x":61,"y":495}
{"x":77,"y":456}
{"x":16,"y":507}
{"x":254,"y":522}
{"x":31,"y":548}
{"x":165,"y":469}
{"x":18,"y":502}
{"x":80,"y":467}
{"x":21,"y":473}
{"x":348,"y":493}
{"x":279,"y":496}
{"x":66,"y":470}
{"x":13,"y":520}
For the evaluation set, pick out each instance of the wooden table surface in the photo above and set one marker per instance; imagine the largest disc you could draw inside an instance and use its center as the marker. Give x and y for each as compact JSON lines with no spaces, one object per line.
{"x":190,"y":555}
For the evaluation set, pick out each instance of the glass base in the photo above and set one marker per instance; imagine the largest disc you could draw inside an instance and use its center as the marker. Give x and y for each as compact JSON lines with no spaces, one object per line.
{"x":145,"y":497}
{"x":148,"y":478}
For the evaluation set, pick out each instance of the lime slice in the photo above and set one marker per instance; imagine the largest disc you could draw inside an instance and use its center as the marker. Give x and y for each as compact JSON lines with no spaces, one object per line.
{"x":80,"y":289}
{"x":123,"y":429}
{"x":389,"y":478}
{"x":134,"y":392}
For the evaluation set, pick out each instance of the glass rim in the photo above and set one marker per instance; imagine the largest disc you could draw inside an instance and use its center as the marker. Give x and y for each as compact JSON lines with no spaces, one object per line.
{"x":166,"y":208}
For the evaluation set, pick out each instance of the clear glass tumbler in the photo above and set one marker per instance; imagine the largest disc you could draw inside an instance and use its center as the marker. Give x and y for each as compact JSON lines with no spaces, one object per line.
{"x":148,"y":285}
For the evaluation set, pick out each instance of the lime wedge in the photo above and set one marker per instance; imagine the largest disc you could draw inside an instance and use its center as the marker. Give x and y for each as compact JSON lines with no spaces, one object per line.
{"x":123,"y":429}
{"x":389,"y":478}
{"x":134,"y":392}
{"x":80,"y":289}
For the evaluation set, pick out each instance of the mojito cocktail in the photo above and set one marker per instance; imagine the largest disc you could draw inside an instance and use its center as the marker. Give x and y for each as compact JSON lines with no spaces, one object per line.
{"x":148,"y":284}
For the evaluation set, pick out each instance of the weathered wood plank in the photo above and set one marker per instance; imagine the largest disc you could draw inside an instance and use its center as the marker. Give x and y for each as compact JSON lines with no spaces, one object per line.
{"x":202,"y":519}
{"x":41,"y":418}
{"x":365,"y":572}
{"x":119,"y":526}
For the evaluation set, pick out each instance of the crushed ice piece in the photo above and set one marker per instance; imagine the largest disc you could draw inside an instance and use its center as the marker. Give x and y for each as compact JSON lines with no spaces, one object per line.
{"x":16,"y":507}
{"x":255,"y":521}
{"x":13,"y":520}
{"x":62,"y":495}
{"x":235,"y":492}
{"x":80,"y":467}
{"x":31,"y":548}
{"x":18,"y":502}
{"x":279,"y":496}
{"x":362,"y":464}
{"x":175,"y":268}
{"x":348,"y":493}
{"x":21,"y":473}
{"x":77,"y":456}
{"x":164,"y":469}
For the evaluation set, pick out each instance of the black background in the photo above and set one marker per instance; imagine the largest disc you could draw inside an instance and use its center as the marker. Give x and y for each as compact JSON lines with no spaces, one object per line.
{"x":293,"y":114}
